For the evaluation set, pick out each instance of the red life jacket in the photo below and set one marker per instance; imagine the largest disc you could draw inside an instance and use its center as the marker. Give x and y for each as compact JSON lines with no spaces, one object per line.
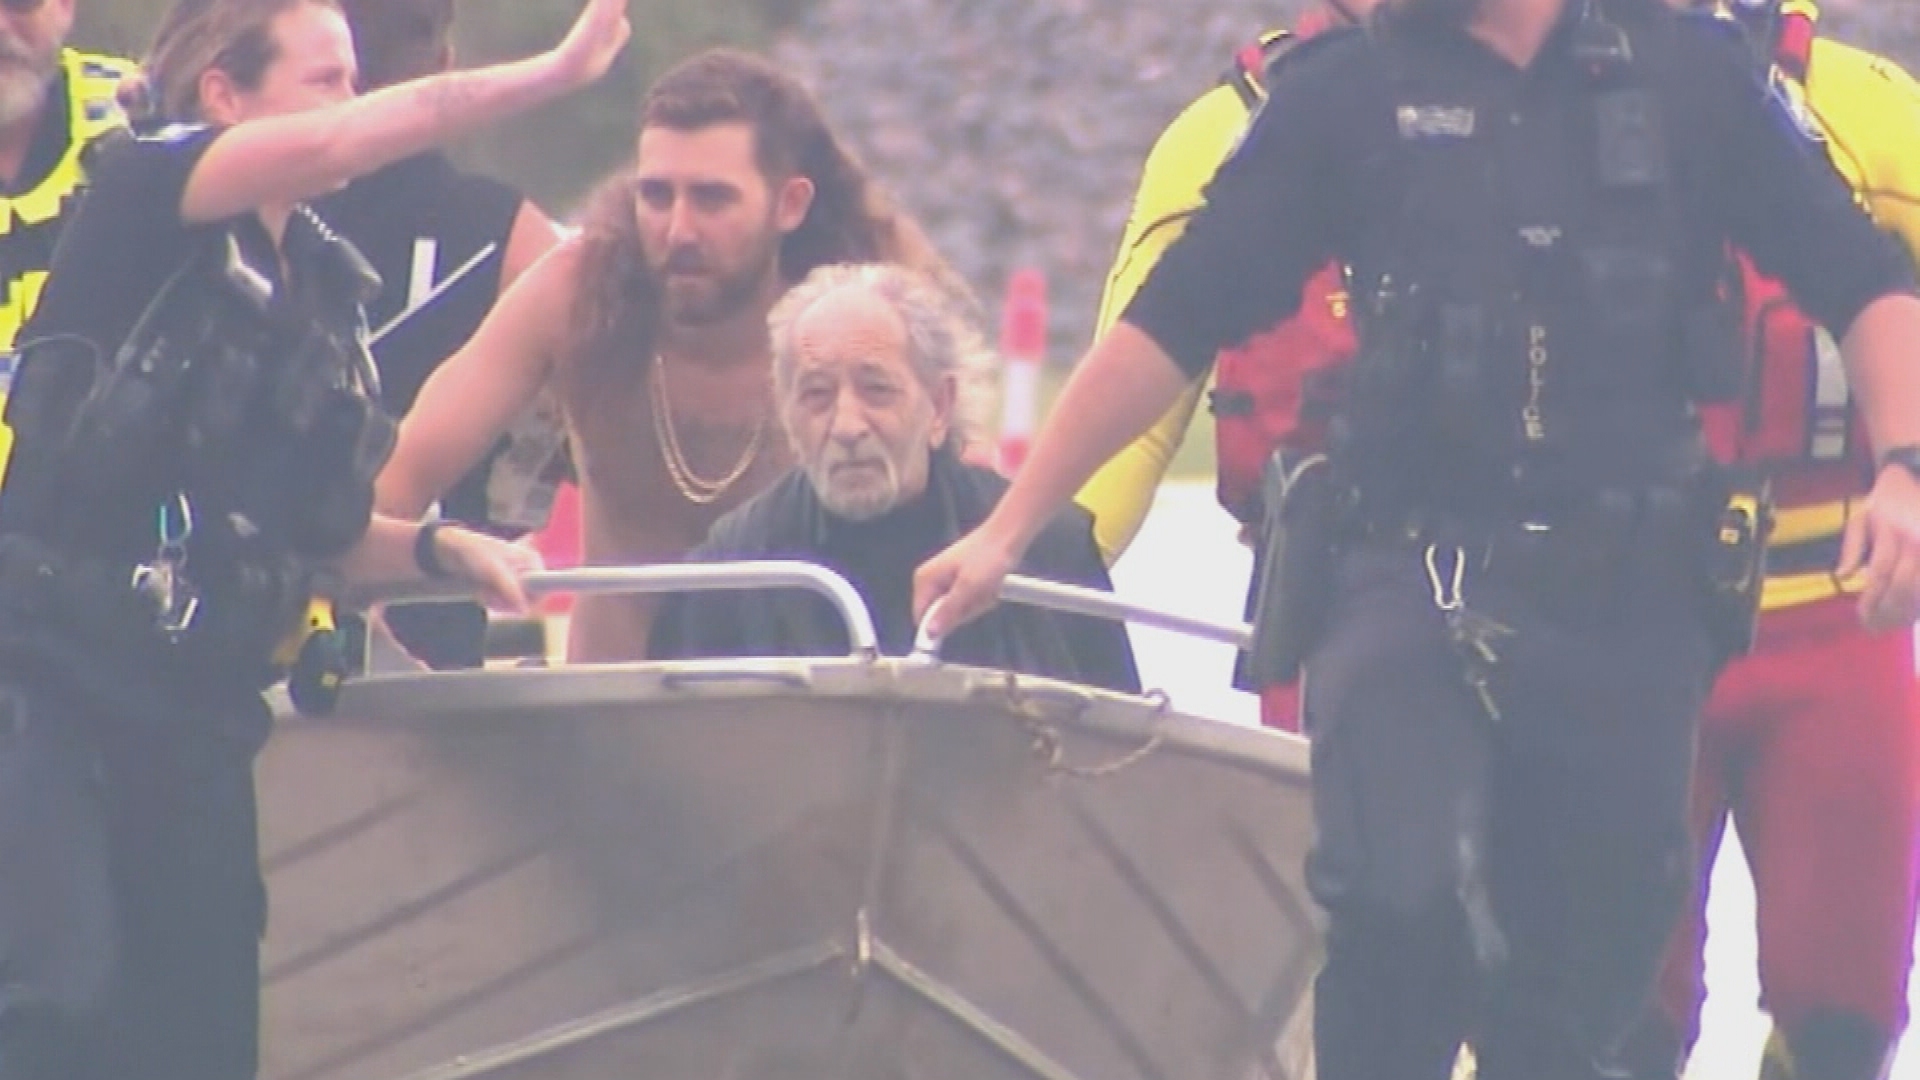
{"x":1276,"y":389}
{"x":1795,"y":417}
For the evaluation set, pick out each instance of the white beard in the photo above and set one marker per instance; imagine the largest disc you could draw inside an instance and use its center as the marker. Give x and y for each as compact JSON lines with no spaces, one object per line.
{"x":862,"y":502}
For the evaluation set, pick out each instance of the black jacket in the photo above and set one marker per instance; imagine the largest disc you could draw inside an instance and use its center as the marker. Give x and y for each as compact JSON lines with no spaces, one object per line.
{"x":879,"y":557}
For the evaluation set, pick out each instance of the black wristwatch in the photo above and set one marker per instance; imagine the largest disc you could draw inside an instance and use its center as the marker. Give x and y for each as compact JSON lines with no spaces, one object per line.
{"x":426,"y":551}
{"x":1907,"y":457}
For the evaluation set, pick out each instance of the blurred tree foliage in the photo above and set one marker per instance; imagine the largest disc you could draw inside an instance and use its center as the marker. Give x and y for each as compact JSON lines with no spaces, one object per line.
{"x":1890,"y":27}
{"x":556,"y":153}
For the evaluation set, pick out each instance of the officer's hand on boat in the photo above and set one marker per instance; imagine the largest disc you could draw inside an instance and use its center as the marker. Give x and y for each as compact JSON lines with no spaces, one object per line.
{"x":964,"y":580}
{"x":494,"y":566}
{"x":589,"y":48}
{"x":1883,"y":540}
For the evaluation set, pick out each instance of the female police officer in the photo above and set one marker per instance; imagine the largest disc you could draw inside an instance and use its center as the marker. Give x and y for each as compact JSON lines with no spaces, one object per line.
{"x":194,"y":440}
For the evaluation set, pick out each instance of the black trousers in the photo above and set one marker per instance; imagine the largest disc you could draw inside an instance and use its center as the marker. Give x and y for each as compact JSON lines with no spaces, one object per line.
{"x":131,"y":900}
{"x":1507,"y":882}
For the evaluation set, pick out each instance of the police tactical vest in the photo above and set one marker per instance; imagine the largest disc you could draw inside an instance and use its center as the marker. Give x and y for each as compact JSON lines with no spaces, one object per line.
{"x":1516,"y":284}
{"x":228,"y":445}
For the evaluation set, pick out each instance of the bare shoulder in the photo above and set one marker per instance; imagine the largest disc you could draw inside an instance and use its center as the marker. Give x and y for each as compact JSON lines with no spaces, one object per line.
{"x":541,"y":299}
{"x":556,"y":272}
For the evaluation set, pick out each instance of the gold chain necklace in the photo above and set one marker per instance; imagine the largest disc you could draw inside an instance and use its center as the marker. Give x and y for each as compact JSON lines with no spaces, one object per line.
{"x":694,"y":488}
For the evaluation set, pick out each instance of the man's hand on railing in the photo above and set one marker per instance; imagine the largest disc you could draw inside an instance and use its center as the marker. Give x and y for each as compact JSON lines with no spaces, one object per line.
{"x":492,"y":565}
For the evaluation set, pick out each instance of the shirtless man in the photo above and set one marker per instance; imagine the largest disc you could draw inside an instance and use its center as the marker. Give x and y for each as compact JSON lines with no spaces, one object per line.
{"x":651,"y":325}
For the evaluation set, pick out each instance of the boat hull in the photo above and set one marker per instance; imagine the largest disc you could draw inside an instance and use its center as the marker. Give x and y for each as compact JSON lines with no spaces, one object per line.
{"x":841,"y":869}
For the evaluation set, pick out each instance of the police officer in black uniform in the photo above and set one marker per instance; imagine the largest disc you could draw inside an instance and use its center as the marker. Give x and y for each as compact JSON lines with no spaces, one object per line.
{"x":446,"y":242}
{"x":197,"y":434}
{"x":1530,"y":573}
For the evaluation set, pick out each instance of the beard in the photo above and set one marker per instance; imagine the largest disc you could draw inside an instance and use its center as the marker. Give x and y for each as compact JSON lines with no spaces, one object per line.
{"x":700,"y":293}
{"x":26,"y":74}
{"x":859,"y":484}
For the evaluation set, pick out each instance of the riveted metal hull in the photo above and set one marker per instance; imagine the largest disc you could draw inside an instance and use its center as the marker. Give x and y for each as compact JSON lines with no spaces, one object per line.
{"x":754,"y":870}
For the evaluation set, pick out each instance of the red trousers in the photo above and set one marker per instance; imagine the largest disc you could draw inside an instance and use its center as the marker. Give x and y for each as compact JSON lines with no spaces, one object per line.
{"x":1811,"y":744}
{"x":1280,"y":707}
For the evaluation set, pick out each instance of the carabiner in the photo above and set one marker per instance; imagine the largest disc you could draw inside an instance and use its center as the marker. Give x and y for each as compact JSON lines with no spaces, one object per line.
{"x":1446,"y":593}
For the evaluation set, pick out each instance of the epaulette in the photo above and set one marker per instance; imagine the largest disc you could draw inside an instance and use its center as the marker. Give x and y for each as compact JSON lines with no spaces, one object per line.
{"x":1299,"y":46}
{"x":1255,"y":65}
{"x":1248,"y":75}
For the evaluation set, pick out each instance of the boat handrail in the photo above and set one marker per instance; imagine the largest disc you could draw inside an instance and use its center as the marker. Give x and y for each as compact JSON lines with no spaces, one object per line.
{"x":669,"y":578}
{"x":786,"y":573}
{"x":1080,"y":600}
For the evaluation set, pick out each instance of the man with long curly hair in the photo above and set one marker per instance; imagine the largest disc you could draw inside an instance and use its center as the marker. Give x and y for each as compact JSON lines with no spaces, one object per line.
{"x":651,"y":324}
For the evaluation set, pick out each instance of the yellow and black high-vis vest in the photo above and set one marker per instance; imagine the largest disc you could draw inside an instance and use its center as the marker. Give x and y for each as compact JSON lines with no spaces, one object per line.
{"x":30,"y":220}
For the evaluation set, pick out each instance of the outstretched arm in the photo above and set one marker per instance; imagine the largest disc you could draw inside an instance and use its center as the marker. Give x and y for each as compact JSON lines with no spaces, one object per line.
{"x":303,"y":155}
{"x":469,"y":400}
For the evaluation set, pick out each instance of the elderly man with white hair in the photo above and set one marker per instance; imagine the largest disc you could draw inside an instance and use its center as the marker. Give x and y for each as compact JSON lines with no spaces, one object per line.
{"x":867,"y":362}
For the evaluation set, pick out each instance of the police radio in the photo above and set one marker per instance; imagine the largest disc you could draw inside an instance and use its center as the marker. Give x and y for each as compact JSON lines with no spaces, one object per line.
{"x":1599,"y":46}
{"x":1737,"y":558}
{"x":320,"y":393}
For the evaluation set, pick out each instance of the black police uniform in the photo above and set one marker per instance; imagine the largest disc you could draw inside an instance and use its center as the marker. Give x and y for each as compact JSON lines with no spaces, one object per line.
{"x":190,"y":437}
{"x":438,"y":236}
{"x":1504,"y":691}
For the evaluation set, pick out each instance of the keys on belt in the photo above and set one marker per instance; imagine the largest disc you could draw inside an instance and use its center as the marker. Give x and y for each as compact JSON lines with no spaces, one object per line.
{"x":163,"y":581}
{"x":1477,"y":637}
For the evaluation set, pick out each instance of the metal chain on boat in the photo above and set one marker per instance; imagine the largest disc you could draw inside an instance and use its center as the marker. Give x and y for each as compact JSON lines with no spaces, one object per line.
{"x":1030,"y":712}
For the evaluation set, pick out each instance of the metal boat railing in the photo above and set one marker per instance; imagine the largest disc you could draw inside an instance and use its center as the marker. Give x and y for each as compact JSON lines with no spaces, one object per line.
{"x":846,"y":599}
{"x":1080,"y":600}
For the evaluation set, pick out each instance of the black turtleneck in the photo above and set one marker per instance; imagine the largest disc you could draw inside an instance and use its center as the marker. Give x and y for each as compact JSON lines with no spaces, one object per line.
{"x":879,"y":557}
